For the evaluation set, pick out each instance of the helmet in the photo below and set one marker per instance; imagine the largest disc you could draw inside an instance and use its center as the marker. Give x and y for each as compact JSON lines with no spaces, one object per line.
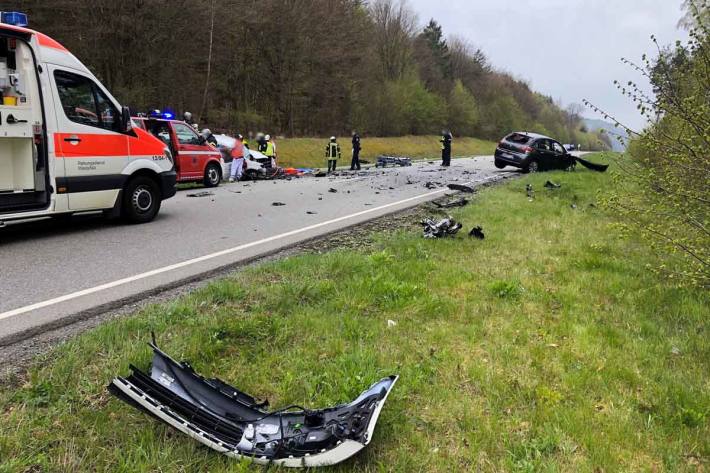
{"x":206,"y":132}
{"x":240,"y":137}
{"x":332,"y":138}
{"x":187,"y":116}
{"x":267,"y":137}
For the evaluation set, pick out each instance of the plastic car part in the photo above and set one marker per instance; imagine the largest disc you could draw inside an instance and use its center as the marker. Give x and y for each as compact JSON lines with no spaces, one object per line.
{"x":235,"y":424}
{"x":592,"y":166}
{"x":441,"y":229}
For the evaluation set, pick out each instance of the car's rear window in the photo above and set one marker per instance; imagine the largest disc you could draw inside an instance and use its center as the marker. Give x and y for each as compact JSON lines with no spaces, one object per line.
{"x":519,"y":138}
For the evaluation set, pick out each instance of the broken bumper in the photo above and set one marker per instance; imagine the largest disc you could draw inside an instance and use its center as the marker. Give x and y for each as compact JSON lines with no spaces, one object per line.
{"x":233,"y":423}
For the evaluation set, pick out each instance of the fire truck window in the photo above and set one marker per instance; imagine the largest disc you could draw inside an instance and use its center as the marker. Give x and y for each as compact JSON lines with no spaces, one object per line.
{"x":186,"y":135}
{"x":83,"y":102}
{"x":77,"y":96}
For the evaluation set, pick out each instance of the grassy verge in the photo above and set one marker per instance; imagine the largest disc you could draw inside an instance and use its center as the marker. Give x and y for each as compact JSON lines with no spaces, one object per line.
{"x":546,"y":347}
{"x":309,"y":152}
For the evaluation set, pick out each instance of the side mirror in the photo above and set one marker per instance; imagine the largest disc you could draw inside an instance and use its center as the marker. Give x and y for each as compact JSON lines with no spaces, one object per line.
{"x":125,"y":119}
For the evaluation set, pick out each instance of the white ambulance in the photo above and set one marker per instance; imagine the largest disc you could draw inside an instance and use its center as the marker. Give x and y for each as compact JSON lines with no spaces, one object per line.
{"x":66,"y":145}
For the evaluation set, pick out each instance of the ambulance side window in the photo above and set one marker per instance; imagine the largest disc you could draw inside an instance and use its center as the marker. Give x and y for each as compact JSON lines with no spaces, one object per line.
{"x":83,"y":102}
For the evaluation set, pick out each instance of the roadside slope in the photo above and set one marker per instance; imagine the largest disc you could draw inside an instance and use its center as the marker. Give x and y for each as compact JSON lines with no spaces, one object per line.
{"x":310,"y":152}
{"x":546,"y":346}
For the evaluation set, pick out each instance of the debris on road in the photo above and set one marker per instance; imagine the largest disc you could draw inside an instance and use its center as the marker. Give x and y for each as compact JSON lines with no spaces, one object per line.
{"x":461,"y":188}
{"x":384,"y":161}
{"x":278,"y":204}
{"x":441,"y":229}
{"x":552,"y":185}
{"x":200,"y":194}
{"x":310,"y":212}
{"x":453,"y":203}
{"x":477,"y":232}
{"x":332,"y":191}
{"x":593,"y":166}
{"x":235,"y":424}
{"x":431,"y":185}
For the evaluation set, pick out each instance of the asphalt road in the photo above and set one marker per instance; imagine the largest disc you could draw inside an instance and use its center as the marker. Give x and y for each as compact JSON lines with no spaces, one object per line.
{"x":53,"y":271}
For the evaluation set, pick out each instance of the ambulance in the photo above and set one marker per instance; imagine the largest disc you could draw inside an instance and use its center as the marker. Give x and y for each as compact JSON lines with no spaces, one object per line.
{"x":66,"y":145}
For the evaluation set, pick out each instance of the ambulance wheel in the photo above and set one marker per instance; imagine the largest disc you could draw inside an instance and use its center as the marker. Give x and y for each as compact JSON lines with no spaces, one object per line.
{"x":213,"y":175}
{"x":141,"y":200}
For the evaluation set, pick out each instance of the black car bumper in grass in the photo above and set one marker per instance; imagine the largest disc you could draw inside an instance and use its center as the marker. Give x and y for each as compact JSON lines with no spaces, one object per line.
{"x":233,"y":423}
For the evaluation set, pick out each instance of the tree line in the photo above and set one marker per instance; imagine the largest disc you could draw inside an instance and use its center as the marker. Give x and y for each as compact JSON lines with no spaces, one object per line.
{"x":299,"y":67}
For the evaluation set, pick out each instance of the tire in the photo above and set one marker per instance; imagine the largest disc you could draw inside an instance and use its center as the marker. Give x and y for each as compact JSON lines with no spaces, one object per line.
{"x":213,"y":175}
{"x":251,"y":175}
{"x":499,"y":165}
{"x":532,"y":167}
{"x":141,"y":200}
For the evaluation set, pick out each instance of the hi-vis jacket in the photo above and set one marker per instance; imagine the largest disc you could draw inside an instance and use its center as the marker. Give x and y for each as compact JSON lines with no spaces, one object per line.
{"x":332,"y":151}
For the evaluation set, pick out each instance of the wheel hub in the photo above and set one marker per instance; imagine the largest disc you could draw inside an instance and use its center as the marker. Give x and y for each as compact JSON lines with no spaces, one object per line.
{"x":142,"y":199}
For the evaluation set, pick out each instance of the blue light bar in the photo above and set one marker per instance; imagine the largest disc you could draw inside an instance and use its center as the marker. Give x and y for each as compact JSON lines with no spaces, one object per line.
{"x":14,"y":18}
{"x":168,"y":116}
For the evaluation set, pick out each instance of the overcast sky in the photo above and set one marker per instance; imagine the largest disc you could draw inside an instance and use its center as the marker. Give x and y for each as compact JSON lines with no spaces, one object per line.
{"x":568,"y":49}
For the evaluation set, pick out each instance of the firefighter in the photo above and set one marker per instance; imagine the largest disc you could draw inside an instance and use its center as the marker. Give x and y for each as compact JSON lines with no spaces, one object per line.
{"x":446,"y":140}
{"x":332,"y":153}
{"x":209,"y":137}
{"x":356,"y":152}
{"x":270,"y":150}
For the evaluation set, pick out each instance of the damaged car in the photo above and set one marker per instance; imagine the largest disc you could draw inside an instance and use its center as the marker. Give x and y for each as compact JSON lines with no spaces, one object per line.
{"x":532,"y":153}
{"x":237,"y":425}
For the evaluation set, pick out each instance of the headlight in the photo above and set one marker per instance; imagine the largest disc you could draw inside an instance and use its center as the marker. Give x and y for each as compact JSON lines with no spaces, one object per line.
{"x":169,"y":155}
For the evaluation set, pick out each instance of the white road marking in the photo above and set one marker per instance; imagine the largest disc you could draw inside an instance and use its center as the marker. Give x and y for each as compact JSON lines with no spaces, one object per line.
{"x":219,"y":254}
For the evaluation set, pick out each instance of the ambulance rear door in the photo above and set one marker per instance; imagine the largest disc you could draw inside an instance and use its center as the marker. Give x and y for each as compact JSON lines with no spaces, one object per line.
{"x":87,"y":141}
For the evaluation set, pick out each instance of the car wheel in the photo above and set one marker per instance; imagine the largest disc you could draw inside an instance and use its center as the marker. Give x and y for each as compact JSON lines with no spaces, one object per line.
{"x":213,"y":175}
{"x":141,"y":200}
{"x":533,"y":166}
{"x":499,"y":164}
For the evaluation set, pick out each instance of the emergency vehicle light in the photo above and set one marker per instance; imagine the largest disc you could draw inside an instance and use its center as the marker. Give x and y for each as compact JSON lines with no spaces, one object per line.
{"x":168,"y":116}
{"x":14,"y":18}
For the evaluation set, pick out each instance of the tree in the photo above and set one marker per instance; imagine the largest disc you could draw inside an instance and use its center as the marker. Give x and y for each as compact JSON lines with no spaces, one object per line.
{"x":463,"y":110}
{"x":666,"y":183}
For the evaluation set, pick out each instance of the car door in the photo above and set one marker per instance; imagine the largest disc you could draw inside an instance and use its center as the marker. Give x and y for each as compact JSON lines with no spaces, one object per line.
{"x":544,"y":153}
{"x":191,"y":151}
{"x":560,"y":157}
{"x":88,"y":141}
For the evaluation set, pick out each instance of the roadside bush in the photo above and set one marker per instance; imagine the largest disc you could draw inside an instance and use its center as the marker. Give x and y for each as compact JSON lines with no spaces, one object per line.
{"x":665,"y":186}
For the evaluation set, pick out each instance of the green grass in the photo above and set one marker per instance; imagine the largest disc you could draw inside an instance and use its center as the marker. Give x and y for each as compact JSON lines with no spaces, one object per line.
{"x":310,"y":152}
{"x":547,"y":347}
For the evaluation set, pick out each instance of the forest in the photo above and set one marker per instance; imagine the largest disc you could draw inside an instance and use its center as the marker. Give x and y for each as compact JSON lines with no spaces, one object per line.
{"x":300,"y":67}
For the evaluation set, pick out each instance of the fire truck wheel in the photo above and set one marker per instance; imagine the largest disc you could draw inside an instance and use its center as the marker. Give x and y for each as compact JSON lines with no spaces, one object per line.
{"x":141,"y":200}
{"x":213,"y":175}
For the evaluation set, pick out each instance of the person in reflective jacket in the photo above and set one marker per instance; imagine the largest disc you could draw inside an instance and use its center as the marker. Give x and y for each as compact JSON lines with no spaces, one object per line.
{"x":356,"y":152}
{"x":332,"y":153}
{"x":446,"y":140}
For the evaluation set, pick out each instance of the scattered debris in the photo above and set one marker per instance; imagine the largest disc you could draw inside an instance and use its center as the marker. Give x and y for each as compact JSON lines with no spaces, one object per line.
{"x":552,"y":185}
{"x":675,"y":351}
{"x":391,"y":323}
{"x":237,"y":425}
{"x":461,"y":188}
{"x":530,"y":191}
{"x":320,"y":174}
{"x":477,"y":232}
{"x":430,"y":185}
{"x":278,"y":204}
{"x":593,"y":166}
{"x":310,"y":212}
{"x":573,"y":206}
{"x":440,"y":229}
{"x":200,"y":194}
{"x":384,"y":161}
{"x":451,"y":204}
{"x":332,"y":191}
